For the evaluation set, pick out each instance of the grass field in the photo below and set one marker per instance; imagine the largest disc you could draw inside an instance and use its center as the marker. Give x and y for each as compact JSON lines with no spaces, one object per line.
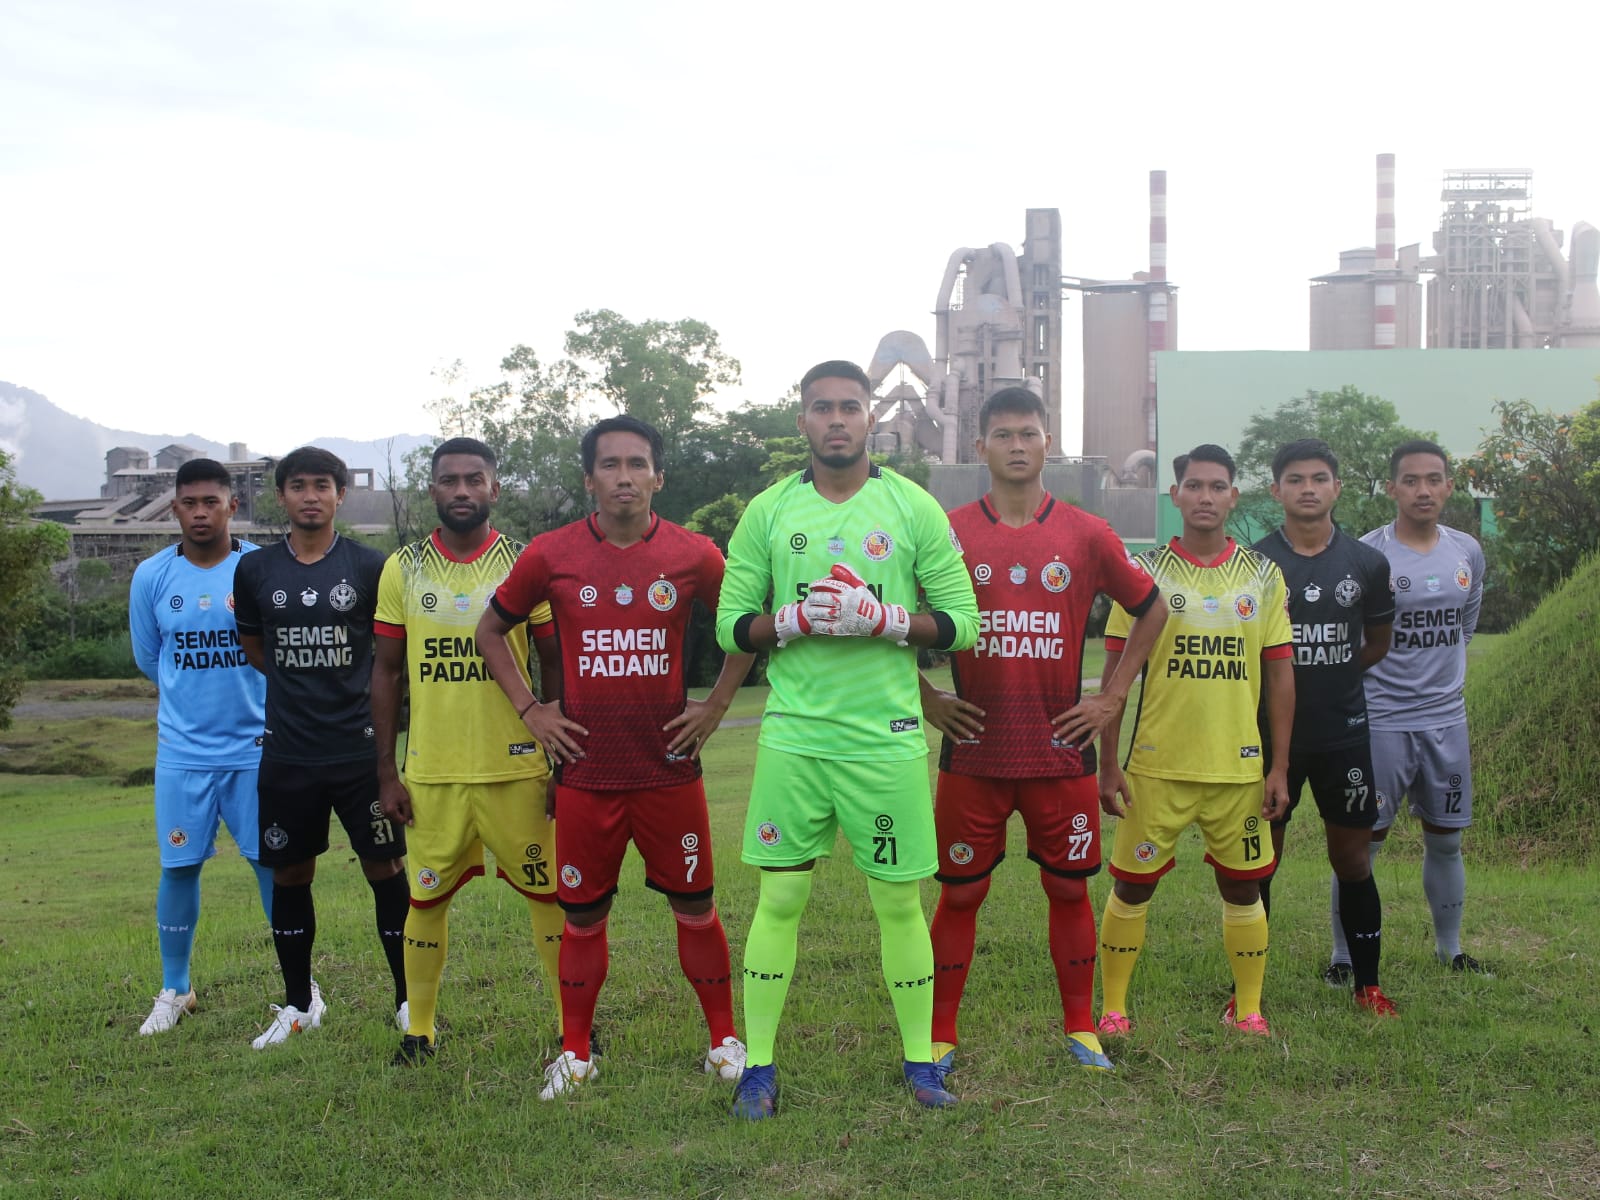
{"x":1485,"y":1087}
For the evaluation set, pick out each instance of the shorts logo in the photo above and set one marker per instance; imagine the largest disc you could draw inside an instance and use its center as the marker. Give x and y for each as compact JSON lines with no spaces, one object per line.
{"x":1176,"y":602}
{"x":1455,"y":781}
{"x":570,"y":876}
{"x":1018,"y":574}
{"x":1463,"y":576}
{"x":342,"y":596}
{"x":275,"y":838}
{"x":982,"y":573}
{"x":587,"y":595}
{"x":836,"y":546}
{"x":1249,"y":751}
{"x":797,"y":543}
{"x":1145,"y":851}
{"x":1245,"y":606}
{"x":1133,"y":561}
{"x":1353,"y":775}
{"x":229,"y":601}
{"x":1250,"y":824}
{"x":768,"y":834}
{"x":1432,"y":583}
{"x":204,"y":602}
{"x":1055,"y":576}
{"x":883,"y":822}
{"x":427,"y":879}
{"x":177,"y":603}
{"x":690,"y":841}
{"x":429,"y":602}
{"x":877,"y":545}
{"x":662,"y":595}
{"x":954,"y":540}
{"x":1312,"y":593}
{"x":1347,"y":592}
{"x":177,"y":839}
{"x":961,"y":854}
{"x":1402,"y":583}
{"x":624,"y":594}
{"x":534,"y":851}
{"x":308,"y":597}
{"x":1079,"y":822}
{"x":903,"y":725}
{"x":376,"y":809}
{"x":368,"y":734}
{"x":280,"y":598}
{"x":463,"y":602}
{"x":1210,"y":605}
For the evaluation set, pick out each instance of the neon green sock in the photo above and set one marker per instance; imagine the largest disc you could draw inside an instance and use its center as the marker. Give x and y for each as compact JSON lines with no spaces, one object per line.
{"x":907,"y":962}
{"x":769,"y":954}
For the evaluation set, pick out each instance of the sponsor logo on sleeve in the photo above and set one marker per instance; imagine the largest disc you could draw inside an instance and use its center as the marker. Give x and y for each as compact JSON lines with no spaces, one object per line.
{"x":954,"y":540}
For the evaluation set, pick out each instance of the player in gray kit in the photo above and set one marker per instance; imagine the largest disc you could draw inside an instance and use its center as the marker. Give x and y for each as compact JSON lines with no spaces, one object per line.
{"x":1415,"y":706}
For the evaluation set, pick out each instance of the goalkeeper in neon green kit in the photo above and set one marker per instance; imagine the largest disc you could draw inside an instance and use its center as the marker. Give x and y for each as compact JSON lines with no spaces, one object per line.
{"x":842,"y":550}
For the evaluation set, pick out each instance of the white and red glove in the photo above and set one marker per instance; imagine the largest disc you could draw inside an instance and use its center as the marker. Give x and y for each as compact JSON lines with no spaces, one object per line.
{"x":859,"y":612}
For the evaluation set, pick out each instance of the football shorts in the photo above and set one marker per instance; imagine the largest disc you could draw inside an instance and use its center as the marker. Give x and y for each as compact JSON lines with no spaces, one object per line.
{"x":669,"y":826}
{"x":190,"y":802}
{"x":1061,"y":816}
{"x":1238,"y":841}
{"x":1430,"y":768}
{"x":453,"y":822}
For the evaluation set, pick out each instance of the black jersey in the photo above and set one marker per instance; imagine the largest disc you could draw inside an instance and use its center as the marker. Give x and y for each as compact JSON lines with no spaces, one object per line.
{"x":1332,"y":595}
{"x":315,"y":623}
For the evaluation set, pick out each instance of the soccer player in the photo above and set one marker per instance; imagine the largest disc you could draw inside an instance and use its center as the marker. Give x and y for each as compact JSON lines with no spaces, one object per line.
{"x":472,"y":775}
{"x":1196,"y":752}
{"x":626,"y":739}
{"x":305,"y":620}
{"x":1414,"y":699}
{"x":1018,"y":737}
{"x":841,"y":746}
{"x":209,"y":717}
{"x":1341,"y":611}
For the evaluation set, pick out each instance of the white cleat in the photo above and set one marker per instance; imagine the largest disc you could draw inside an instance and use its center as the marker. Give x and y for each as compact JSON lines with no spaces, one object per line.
{"x":288,"y":1020}
{"x":402,"y":1016}
{"x":169,"y":1009}
{"x":566,"y":1074}
{"x":726,"y":1060}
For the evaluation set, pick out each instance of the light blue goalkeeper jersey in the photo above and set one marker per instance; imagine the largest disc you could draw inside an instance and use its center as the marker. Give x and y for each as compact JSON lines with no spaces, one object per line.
{"x":213,"y":702}
{"x":1418,"y":684}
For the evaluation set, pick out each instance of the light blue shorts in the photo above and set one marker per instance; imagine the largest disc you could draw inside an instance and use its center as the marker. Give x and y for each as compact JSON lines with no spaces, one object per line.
{"x":189,"y":803}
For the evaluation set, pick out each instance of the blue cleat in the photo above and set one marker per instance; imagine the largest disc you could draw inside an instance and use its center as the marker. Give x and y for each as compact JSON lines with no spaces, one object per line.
{"x":756,"y":1097}
{"x":1086,"y":1050}
{"x":926,"y":1082}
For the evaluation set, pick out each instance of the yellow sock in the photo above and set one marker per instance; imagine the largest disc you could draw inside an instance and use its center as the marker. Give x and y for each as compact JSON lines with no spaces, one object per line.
{"x":1121,"y":939}
{"x":548,"y":922}
{"x":1244,"y":937}
{"x":427,"y":939}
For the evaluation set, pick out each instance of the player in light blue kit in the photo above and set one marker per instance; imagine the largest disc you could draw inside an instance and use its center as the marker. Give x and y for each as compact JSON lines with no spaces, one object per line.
{"x":180,"y":614}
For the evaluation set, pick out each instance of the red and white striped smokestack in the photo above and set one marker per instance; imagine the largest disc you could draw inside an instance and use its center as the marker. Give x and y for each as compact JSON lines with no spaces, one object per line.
{"x":1383,"y":291}
{"x":1158,"y":226}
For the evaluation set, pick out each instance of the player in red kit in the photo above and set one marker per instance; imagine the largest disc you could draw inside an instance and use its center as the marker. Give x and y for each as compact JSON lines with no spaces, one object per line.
{"x":1018,"y":737}
{"x":624,"y":735}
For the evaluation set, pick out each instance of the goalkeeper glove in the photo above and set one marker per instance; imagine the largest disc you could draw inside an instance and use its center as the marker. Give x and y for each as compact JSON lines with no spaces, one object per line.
{"x":861,"y":614}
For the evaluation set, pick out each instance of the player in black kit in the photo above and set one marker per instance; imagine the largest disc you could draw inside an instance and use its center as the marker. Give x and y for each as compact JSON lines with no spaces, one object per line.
{"x":304,"y":612}
{"x":1342,"y":611}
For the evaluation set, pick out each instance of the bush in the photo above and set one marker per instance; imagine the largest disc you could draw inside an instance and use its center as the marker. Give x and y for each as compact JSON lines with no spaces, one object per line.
{"x":109,"y":656}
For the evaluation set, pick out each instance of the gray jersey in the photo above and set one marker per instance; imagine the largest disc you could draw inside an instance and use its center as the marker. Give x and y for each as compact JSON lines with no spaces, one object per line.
{"x":1417,"y":685}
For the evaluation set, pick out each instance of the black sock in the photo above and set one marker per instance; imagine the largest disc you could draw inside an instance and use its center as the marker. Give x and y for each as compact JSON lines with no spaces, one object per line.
{"x":1361,"y":915}
{"x":391,"y":899}
{"x":294,"y":931}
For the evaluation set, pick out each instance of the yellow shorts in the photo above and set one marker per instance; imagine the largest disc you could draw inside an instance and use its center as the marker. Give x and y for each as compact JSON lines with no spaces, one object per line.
{"x":455,"y":821}
{"x":1238,"y":843}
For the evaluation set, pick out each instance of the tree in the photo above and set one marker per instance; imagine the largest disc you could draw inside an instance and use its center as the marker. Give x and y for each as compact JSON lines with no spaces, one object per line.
{"x":27,"y":548}
{"x":717,"y":520}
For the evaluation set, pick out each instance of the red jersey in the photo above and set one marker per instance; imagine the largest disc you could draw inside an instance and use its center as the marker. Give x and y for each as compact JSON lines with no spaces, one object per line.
{"x":621,"y":617}
{"x":1035,"y":587}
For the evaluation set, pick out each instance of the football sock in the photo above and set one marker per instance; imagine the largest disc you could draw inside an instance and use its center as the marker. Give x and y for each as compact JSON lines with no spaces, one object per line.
{"x":1244,"y":937}
{"x":1361,"y":919}
{"x":548,"y":922}
{"x":1072,"y":949}
{"x":1341,"y":944}
{"x":585,"y":958}
{"x":954,"y":933}
{"x":907,"y":954}
{"x":177,"y":912}
{"x":703,"y":955}
{"x":1121,"y":939}
{"x":391,"y":900}
{"x":294,"y":931}
{"x":427,"y":942}
{"x":1444,"y":882}
{"x":264,"y":886}
{"x":769,"y":954}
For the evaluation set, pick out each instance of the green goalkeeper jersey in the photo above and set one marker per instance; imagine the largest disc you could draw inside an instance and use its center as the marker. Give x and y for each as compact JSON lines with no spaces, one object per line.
{"x":852,"y":698}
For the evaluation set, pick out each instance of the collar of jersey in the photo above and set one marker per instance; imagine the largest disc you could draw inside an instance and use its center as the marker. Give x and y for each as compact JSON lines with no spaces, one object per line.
{"x":494,"y":535}
{"x":872,"y":473}
{"x":1226,"y":554}
{"x":988,"y":509}
{"x":599,"y":535}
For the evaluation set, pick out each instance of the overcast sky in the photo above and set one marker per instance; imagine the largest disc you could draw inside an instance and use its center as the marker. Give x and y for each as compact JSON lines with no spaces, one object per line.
{"x":267,"y":222}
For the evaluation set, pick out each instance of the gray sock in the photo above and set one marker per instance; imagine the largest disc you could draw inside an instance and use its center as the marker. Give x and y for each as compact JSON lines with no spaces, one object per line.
{"x":1444,"y":882}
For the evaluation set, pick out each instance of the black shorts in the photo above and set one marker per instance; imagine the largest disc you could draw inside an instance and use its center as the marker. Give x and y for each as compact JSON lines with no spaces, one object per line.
{"x":1341,"y":780}
{"x":296,"y":800}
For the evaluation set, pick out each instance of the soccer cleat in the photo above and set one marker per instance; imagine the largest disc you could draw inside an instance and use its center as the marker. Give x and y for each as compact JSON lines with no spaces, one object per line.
{"x":416,"y":1050}
{"x":1113,"y":1024}
{"x":402,"y":1015}
{"x":1468,"y":965}
{"x":756,"y":1097}
{"x":1339,"y":975}
{"x":1086,"y":1049}
{"x":726,"y":1060}
{"x":1375,"y":1002}
{"x":287,"y":1021}
{"x":168,"y":1011}
{"x":926,"y":1082}
{"x":566,"y":1074}
{"x":1252,"y":1023}
{"x":944,"y":1059}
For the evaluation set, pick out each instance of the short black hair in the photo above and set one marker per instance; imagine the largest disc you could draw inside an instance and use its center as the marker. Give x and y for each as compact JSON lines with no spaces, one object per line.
{"x":623,"y":424}
{"x":1305,"y":450}
{"x":1416,"y":446}
{"x":311,"y":460}
{"x":1012,"y":400}
{"x":463,"y":445}
{"x":1204,"y":452}
{"x":202,"y":470}
{"x":835,"y":368}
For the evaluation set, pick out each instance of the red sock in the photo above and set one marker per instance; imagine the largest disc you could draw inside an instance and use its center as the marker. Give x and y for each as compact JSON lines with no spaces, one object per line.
{"x":703,"y":955}
{"x":1073,"y":940}
{"x":955,"y":931}
{"x":585,"y":956}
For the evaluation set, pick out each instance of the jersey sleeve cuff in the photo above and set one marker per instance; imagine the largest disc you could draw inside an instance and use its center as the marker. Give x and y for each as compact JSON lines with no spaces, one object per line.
{"x":545,"y":629}
{"x":1144,"y":606}
{"x":741,"y":633}
{"x":1115,"y":645}
{"x":1273,"y":653}
{"x":384,"y":629}
{"x":506,"y":615}
{"x":944,"y":630}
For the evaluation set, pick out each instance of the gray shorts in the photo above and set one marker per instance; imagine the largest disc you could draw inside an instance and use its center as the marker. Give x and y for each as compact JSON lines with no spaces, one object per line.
{"x":1431,"y":768}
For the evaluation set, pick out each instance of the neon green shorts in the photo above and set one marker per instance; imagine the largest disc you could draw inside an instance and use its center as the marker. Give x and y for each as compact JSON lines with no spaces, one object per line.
{"x":884,"y":809}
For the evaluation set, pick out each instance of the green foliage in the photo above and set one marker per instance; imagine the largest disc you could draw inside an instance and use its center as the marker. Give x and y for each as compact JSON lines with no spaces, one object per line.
{"x":717,"y":519}
{"x":785,"y":456}
{"x":27,"y":548}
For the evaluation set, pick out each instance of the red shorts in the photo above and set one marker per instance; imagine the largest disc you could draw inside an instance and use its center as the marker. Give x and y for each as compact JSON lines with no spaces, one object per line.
{"x":669,"y":825}
{"x":1062,"y":817}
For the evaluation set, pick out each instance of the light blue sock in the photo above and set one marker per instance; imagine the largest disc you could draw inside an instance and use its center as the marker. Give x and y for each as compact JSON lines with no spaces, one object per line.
{"x":1444,"y":882}
{"x":177,"y":913}
{"x":264,"y":884}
